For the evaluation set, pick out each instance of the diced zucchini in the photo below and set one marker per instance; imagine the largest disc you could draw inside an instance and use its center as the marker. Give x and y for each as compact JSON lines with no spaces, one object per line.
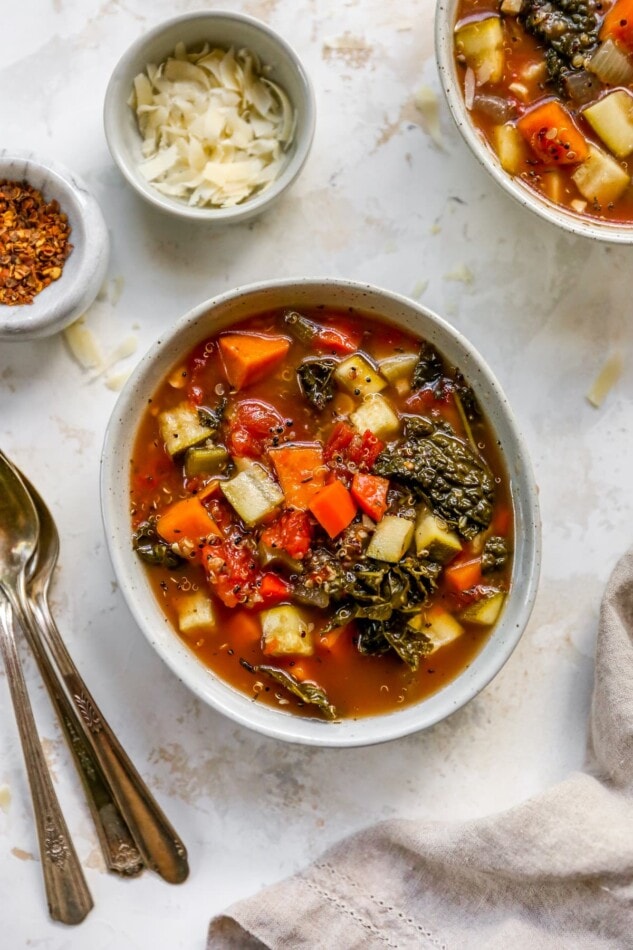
{"x":358,"y":376}
{"x":485,"y":612}
{"x":253,"y":494}
{"x":481,"y":45}
{"x":438,"y":625}
{"x":180,"y":428}
{"x":376,"y":414}
{"x":195,"y":614}
{"x":612,"y":118}
{"x":510,"y":147}
{"x":391,"y":539}
{"x":285,"y":631}
{"x":434,"y":540}
{"x":600,"y":178}
{"x":397,"y":367}
{"x":206,"y":460}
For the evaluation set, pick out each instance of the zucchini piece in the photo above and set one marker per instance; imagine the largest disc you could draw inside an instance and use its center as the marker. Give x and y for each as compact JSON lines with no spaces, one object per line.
{"x":376,"y":414}
{"x":433,"y":539}
{"x":438,"y":625}
{"x":480,"y":43}
{"x":358,"y":376}
{"x":600,"y":178}
{"x":207,"y":460}
{"x":195,"y":614}
{"x":253,"y":494}
{"x":485,"y":612}
{"x":398,"y":367}
{"x":391,"y":539}
{"x":277,"y":557}
{"x":180,"y":428}
{"x":612,"y":119}
{"x":510,"y":147}
{"x":285,"y":631}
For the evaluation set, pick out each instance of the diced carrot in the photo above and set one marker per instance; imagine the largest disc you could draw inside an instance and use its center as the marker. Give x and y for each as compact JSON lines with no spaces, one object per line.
{"x":333,"y":507}
{"x":337,"y":641}
{"x":248,"y":357}
{"x":210,"y":490}
{"x":301,"y":472}
{"x":618,"y":23}
{"x":273,"y":589}
{"x":501,"y":521}
{"x":550,"y":131}
{"x":461,"y":575}
{"x":186,"y":519}
{"x":243,"y":629}
{"x":370,"y":494}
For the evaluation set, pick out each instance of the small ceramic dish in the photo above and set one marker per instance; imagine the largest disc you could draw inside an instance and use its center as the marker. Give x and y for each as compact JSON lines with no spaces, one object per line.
{"x":221,"y":313}
{"x":224,"y":31}
{"x":83,"y":273}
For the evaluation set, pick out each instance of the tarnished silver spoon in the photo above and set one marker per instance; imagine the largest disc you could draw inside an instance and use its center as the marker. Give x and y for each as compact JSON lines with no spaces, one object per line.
{"x":67,"y":893}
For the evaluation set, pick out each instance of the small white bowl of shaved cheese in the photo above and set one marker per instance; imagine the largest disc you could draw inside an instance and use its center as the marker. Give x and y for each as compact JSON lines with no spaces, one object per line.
{"x":210,"y":116}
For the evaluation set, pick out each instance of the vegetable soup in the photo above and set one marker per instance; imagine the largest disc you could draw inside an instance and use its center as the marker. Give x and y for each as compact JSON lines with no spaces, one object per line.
{"x":324,"y":512}
{"x":549,"y":85}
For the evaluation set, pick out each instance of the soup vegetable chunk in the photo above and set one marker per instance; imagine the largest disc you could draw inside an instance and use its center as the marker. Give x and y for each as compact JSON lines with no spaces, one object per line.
{"x":323,"y":512}
{"x":549,"y":84}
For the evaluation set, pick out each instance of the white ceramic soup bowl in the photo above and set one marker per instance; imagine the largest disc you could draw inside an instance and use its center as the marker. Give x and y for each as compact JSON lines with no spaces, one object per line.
{"x":612,"y":232}
{"x":219,"y":313}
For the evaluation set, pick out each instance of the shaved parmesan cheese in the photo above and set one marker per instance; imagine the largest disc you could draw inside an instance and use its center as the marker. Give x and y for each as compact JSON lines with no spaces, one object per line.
{"x":116,"y":381}
{"x":83,"y":345}
{"x":427,"y":104}
{"x":214,"y":128}
{"x":605,"y":380}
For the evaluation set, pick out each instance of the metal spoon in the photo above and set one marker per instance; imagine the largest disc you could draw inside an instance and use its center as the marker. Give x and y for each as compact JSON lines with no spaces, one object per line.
{"x":160,"y":847}
{"x":68,"y":896}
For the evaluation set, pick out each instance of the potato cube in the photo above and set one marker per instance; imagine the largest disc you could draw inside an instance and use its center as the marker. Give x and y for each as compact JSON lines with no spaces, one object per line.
{"x":433,"y":539}
{"x":358,"y":376}
{"x":438,"y":625}
{"x":397,"y":367}
{"x":376,"y":414}
{"x":195,"y":614}
{"x":391,"y":539}
{"x":285,"y":631}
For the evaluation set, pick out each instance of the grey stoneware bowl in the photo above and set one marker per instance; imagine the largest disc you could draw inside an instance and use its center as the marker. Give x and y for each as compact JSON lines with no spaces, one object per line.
{"x":223,"y":30}
{"x":67,"y":298}
{"x":220,"y":313}
{"x":445,"y":19}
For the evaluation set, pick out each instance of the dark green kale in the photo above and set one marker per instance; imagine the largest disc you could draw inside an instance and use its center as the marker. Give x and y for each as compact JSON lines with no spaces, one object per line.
{"x":151,"y":548}
{"x":316,"y":381}
{"x":309,"y":693}
{"x":467,"y":399}
{"x":495,"y":554}
{"x":567,"y":28}
{"x":444,"y":472}
{"x":212,"y":418}
{"x":410,"y":644}
{"x":428,"y":369}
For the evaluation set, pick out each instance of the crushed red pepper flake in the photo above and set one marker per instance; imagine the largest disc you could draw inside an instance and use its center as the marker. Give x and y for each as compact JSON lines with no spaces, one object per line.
{"x":34,"y":242}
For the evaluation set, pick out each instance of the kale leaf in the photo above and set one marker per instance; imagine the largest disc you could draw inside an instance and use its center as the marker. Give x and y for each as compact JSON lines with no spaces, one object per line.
{"x":309,"y":693}
{"x":212,"y":418}
{"x":428,"y":369}
{"x":567,"y":28}
{"x":443,"y":471}
{"x":316,"y":382}
{"x":151,"y":548}
{"x":495,"y":554}
{"x":410,"y":644}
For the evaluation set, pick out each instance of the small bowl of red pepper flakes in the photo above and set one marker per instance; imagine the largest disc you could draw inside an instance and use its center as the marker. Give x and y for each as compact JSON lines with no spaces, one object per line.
{"x":54,"y":246}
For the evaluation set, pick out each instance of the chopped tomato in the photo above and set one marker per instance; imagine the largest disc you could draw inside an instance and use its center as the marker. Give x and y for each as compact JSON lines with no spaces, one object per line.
{"x":292,"y":531}
{"x":232,"y":570}
{"x":370,"y":494}
{"x":461,"y":574}
{"x":254,"y":426}
{"x":274,"y":589}
{"x":338,"y":340}
{"x":346,"y":446}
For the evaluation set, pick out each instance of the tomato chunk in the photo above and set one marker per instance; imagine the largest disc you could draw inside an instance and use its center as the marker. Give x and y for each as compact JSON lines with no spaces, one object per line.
{"x":292,"y":532}
{"x":370,"y":494}
{"x":274,"y":589}
{"x":254,"y":426}
{"x":347,"y":446}
{"x":232,"y":571}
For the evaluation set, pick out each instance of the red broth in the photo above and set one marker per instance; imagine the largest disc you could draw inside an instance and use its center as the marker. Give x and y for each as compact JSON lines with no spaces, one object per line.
{"x":559,"y":121}
{"x":266,"y":585}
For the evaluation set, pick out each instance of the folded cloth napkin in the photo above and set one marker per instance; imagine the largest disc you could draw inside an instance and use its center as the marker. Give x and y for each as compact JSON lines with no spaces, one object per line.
{"x":555,"y":872}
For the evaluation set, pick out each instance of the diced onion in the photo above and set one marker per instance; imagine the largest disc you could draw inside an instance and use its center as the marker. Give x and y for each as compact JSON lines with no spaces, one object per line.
{"x":214,"y":127}
{"x":611,"y":64}
{"x":469,"y":88}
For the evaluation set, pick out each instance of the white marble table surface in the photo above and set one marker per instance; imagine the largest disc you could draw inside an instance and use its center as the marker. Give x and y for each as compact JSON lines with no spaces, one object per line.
{"x":378,"y":201}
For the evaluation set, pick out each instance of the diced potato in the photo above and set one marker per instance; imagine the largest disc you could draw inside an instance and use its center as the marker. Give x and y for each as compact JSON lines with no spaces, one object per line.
{"x":438,"y":625}
{"x":481,"y":44}
{"x":397,"y":367}
{"x":206,"y":460}
{"x":510,"y":147}
{"x":553,"y":186}
{"x":612,"y":118}
{"x":391,"y":539}
{"x":253,"y":494}
{"x":285,"y":631}
{"x":358,"y":376}
{"x":376,"y":414}
{"x":511,"y":7}
{"x":600,"y":177}
{"x":485,"y":612}
{"x":180,"y":428}
{"x":195,"y":614}
{"x":433,"y":538}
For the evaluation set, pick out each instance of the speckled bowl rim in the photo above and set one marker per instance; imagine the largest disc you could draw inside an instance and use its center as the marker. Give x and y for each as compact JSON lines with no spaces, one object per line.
{"x":114,"y":103}
{"x":445,"y":18}
{"x":82,"y":277}
{"x":219,"y":312}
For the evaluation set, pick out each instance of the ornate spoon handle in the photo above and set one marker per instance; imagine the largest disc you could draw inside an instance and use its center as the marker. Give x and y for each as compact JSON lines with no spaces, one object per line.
{"x":118,"y":847}
{"x":67,"y":893}
{"x":160,"y":847}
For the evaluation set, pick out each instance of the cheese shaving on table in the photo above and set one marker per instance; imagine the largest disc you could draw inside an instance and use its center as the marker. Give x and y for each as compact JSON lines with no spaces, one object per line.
{"x":214,"y":127}
{"x":605,"y":380}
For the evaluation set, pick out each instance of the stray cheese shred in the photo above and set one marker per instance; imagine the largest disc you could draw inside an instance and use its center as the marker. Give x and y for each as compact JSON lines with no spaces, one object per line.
{"x":214,"y":127}
{"x":605,"y":380}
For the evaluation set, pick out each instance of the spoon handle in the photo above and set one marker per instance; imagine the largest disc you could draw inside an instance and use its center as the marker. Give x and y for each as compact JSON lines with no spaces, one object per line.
{"x":160,"y":847}
{"x":119,"y":850}
{"x":69,"y":899}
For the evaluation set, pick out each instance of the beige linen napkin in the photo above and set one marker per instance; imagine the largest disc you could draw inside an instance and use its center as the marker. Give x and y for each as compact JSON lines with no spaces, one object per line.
{"x":555,"y":872}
